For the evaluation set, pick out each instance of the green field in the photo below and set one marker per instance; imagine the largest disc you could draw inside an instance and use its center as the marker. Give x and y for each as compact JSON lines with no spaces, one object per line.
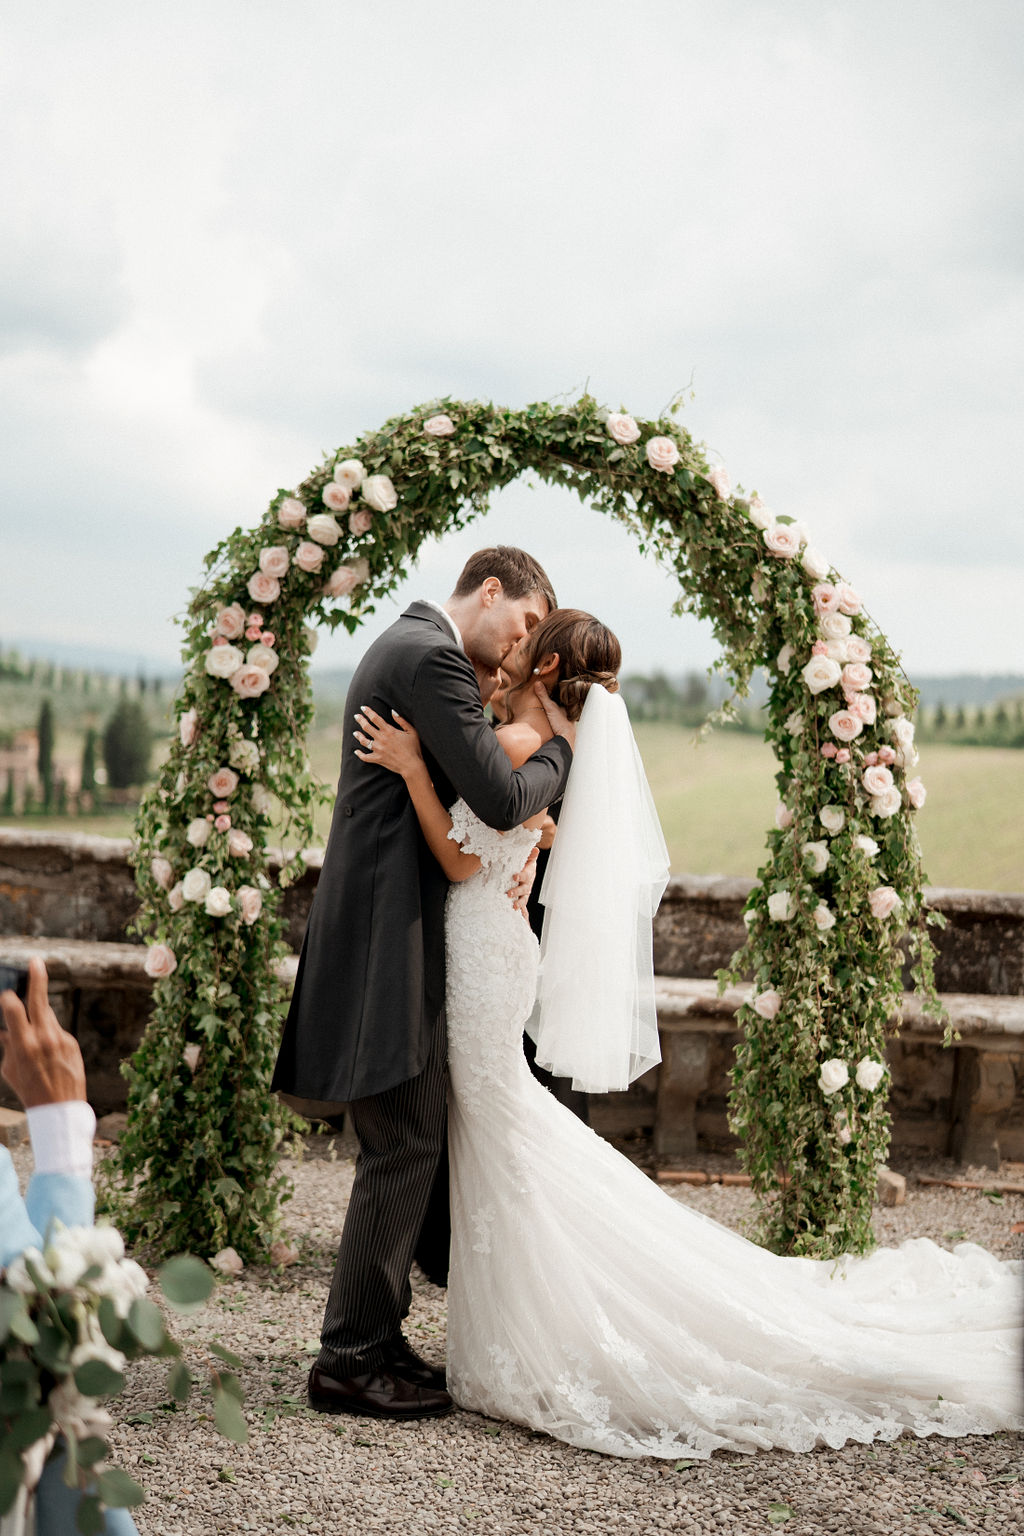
{"x":716,"y":801}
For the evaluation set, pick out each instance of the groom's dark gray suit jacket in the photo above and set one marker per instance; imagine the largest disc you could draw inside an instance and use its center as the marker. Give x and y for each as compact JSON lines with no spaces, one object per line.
{"x":370,"y":982}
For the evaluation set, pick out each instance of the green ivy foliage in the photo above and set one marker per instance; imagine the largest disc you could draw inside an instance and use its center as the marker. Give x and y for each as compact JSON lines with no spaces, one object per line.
{"x":197,"y":1165}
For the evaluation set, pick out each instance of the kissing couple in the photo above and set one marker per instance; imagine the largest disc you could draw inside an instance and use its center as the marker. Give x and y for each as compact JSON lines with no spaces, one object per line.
{"x":583,"y":1301}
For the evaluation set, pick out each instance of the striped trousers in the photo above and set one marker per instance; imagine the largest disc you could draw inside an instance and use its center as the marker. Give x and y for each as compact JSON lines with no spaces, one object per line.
{"x":402,"y":1134}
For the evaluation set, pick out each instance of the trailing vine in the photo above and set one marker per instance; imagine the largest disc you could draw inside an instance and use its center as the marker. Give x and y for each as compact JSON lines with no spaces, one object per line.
{"x":197,"y":1167}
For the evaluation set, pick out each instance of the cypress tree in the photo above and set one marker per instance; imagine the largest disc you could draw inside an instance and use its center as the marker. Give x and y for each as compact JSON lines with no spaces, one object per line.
{"x":126,"y":745}
{"x":44,"y":733}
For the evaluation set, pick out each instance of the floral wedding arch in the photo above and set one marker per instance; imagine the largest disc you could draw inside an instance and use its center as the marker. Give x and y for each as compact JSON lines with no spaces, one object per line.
{"x":840,"y":883}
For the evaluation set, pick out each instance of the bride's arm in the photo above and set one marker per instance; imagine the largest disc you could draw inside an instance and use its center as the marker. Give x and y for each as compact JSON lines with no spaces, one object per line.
{"x":398,"y":749}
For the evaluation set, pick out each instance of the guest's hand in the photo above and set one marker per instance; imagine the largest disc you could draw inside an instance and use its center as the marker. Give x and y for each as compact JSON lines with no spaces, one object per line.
{"x":397,"y":749}
{"x":522,"y":885}
{"x":41,"y":1061}
{"x":557,"y":718}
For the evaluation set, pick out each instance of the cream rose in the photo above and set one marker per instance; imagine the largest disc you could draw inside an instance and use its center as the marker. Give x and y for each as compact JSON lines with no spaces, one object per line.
{"x":815,"y":563}
{"x":836,"y":650}
{"x":250,"y":903}
{"x":291,"y":514}
{"x":223,"y":660}
{"x":824,"y":918}
{"x":263,"y":588}
{"x":759,"y":514}
{"x":869,"y":1073}
{"x":886,"y":804}
{"x":188,"y":725}
{"x":222,"y":783}
{"x":227,"y":1262}
{"x":197,"y":832}
{"x":335,"y":497}
{"x":832,"y":818}
{"x":784,"y":660}
{"x":834,"y":626}
{"x":783,"y":816}
{"x":876,"y":779}
{"x":794,"y":723}
{"x":867,"y":846}
{"x":309,"y":557}
{"x":160,"y":961}
{"x":821,"y":673}
{"x":244,"y":755}
{"x":856,"y":676}
{"x":782,"y":540}
{"x":230,"y":621}
{"x":780,"y":906}
{"x":262,"y":800}
{"x":864,"y":707}
{"x":622,"y":429}
{"x":719,"y":480}
{"x":439,"y":426}
{"x":218,"y":901}
{"x":824,"y":598}
{"x":324,"y":529}
{"x":902,"y":732}
{"x":162,"y":872}
{"x":916,"y":793}
{"x":196,"y":885}
{"x":176,"y":897}
{"x":359,"y":522}
{"x":858,"y":649}
{"x":766,"y":1003}
{"x":845,"y":725}
{"x":274,"y":560}
{"x":239,"y":843}
{"x":249,"y":682}
{"x":834,"y":1075}
{"x":349,"y":473}
{"x":883,"y":902}
{"x":263,"y":656}
{"x":662,"y":454}
{"x":817,"y":855}
{"x":379,"y":494}
{"x":849,"y":600}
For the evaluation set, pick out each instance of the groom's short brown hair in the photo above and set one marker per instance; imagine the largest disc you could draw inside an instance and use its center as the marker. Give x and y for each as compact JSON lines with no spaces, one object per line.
{"x":519,"y":574}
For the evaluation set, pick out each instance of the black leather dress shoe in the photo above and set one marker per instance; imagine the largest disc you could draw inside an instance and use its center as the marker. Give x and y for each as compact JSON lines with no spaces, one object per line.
{"x":405,"y":1362}
{"x":377,"y":1394}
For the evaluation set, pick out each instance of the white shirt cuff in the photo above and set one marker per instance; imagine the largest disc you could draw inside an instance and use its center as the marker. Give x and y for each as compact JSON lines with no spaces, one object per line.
{"x":62,"y":1137}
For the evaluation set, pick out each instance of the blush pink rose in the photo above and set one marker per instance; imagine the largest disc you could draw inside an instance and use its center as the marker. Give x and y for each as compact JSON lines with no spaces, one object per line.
{"x":324,"y":529}
{"x":877,"y":780}
{"x":360,"y":522}
{"x":336,"y":497}
{"x":220,"y":806}
{"x":766,"y":1003}
{"x":188,"y":727}
{"x":849,"y":600}
{"x":346,"y":578}
{"x":843,"y":755}
{"x":782,"y":540}
{"x":229,"y":621}
{"x":160,"y":961}
{"x":916,"y":793}
{"x":253,"y":632}
{"x":829,"y":749}
{"x":268,"y":637}
{"x":176,"y":897}
{"x":783,"y":816}
{"x":863,"y":705}
{"x":291,"y":514}
{"x":263,"y":656}
{"x":263,"y":588}
{"x":886,"y":755}
{"x":162,"y":872}
{"x":222,"y":783}
{"x":622,"y":429}
{"x":856,"y":676}
{"x":883,"y":902}
{"x":239,"y":843}
{"x":222,"y":823}
{"x":250,"y":903}
{"x":309,"y":557}
{"x":858,"y":649}
{"x":250,"y":681}
{"x":845,"y":725}
{"x":274,"y":560}
{"x":662,"y":454}
{"x":439,"y":426}
{"x":254,"y":619}
{"x":825,"y":598}
{"x":719,"y":480}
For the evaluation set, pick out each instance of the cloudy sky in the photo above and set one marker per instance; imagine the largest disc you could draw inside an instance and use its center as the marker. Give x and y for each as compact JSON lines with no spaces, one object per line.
{"x":238,"y":234}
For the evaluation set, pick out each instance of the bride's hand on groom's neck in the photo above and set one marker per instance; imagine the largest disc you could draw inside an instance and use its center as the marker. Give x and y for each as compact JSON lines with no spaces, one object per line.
{"x":557,"y":718}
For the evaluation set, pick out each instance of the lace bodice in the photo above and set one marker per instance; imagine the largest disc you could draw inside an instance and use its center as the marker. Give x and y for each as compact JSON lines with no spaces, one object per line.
{"x":502,"y":854}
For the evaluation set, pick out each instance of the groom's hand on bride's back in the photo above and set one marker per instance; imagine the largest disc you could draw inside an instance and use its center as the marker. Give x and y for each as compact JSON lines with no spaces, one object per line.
{"x":557,"y":718}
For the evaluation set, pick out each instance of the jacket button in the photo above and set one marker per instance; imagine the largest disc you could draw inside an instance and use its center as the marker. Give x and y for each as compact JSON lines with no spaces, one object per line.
{"x":346,"y":810}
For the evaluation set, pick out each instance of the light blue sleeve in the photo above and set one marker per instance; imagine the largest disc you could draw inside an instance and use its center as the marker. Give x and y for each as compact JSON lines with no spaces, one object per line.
{"x":65,"y":1197}
{"x":16,"y":1230}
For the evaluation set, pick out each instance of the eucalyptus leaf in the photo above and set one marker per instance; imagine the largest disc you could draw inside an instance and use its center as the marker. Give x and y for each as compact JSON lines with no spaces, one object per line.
{"x":229,"y":1418}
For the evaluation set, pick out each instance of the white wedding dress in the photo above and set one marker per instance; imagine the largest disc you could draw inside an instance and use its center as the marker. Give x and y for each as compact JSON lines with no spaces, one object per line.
{"x":587,"y":1303}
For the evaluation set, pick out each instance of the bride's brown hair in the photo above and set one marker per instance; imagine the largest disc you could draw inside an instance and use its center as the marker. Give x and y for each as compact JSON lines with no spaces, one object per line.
{"x":588,"y":655}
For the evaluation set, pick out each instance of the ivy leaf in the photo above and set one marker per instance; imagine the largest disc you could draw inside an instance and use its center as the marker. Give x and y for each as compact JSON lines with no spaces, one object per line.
{"x":778,"y":1513}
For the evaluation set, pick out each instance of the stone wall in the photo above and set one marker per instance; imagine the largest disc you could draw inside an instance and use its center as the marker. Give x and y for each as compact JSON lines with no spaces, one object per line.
{"x":80,"y":888}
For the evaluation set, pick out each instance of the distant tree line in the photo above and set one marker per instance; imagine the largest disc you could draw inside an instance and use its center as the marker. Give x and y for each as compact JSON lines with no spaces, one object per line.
{"x":983,"y":725}
{"x":686,"y":701}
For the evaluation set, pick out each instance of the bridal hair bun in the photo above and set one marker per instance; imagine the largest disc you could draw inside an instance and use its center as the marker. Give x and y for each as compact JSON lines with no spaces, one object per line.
{"x":587,"y":653}
{"x":572,"y":692}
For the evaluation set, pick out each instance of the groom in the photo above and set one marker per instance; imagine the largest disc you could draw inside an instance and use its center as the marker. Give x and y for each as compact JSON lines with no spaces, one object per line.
{"x":366,"y":1025}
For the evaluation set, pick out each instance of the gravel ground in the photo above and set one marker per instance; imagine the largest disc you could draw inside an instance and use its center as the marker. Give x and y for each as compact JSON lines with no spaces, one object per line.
{"x":464,"y":1473}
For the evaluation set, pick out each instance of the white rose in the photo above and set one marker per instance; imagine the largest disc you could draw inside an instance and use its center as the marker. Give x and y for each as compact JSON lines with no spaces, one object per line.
{"x":291,"y":514}
{"x":869,"y":1073}
{"x":782,"y":540}
{"x":349,"y":473}
{"x":766,"y":1003}
{"x":857,"y":676}
{"x":784,"y":659}
{"x":780,"y":906}
{"x":198,"y":832}
{"x":877,"y":779}
{"x":176,"y":895}
{"x":263,"y":588}
{"x":883,"y":901}
{"x":759,"y":514}
{"x":849,"y":600}
{"x":824,"y":918}
{"x":379,"y":493}
{"x":324,"y":529}
{"x":821,"y":673}
{"x":845,"y":725}
{"x":239,"y":843}
{"x":886,"y":804}
{"x":160,"y":961}
{"x":262,"y":800}
{"x":838,"y":650}
{"x":858,"y":649}
{"x":794,"y":723}
{"x":244,"y":754}
{"x":833,"y":1076}
{"x":223,"y":660}
{"x":832,"y":818}
{"x":250,"y":903}
{"x":902,"y":733}
{"x":834,"y":626}
{"x":662,"y":454}
{"x":335,"y":497}
{"x":817,"y":855}
{"x":439,"y":426}
{"x":783,"y":816}
{"x":867,"y":846}
{"x":264,"y":657}
{"x":218,"y":901}
{"x":274,"y":560}
{"x":815,"y":563}
{"x":196,"y":885}
{"x":622,"y":429}
{"x":718,"y":478}
{"x":916,"y":793}
{"x":162,"y":872}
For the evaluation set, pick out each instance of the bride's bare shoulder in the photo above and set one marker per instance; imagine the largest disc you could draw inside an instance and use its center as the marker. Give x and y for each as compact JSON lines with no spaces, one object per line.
{"x":520,"y":740}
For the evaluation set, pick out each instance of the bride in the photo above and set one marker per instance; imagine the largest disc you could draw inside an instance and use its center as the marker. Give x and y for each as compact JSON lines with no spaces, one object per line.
{"x":583,"y":1301}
